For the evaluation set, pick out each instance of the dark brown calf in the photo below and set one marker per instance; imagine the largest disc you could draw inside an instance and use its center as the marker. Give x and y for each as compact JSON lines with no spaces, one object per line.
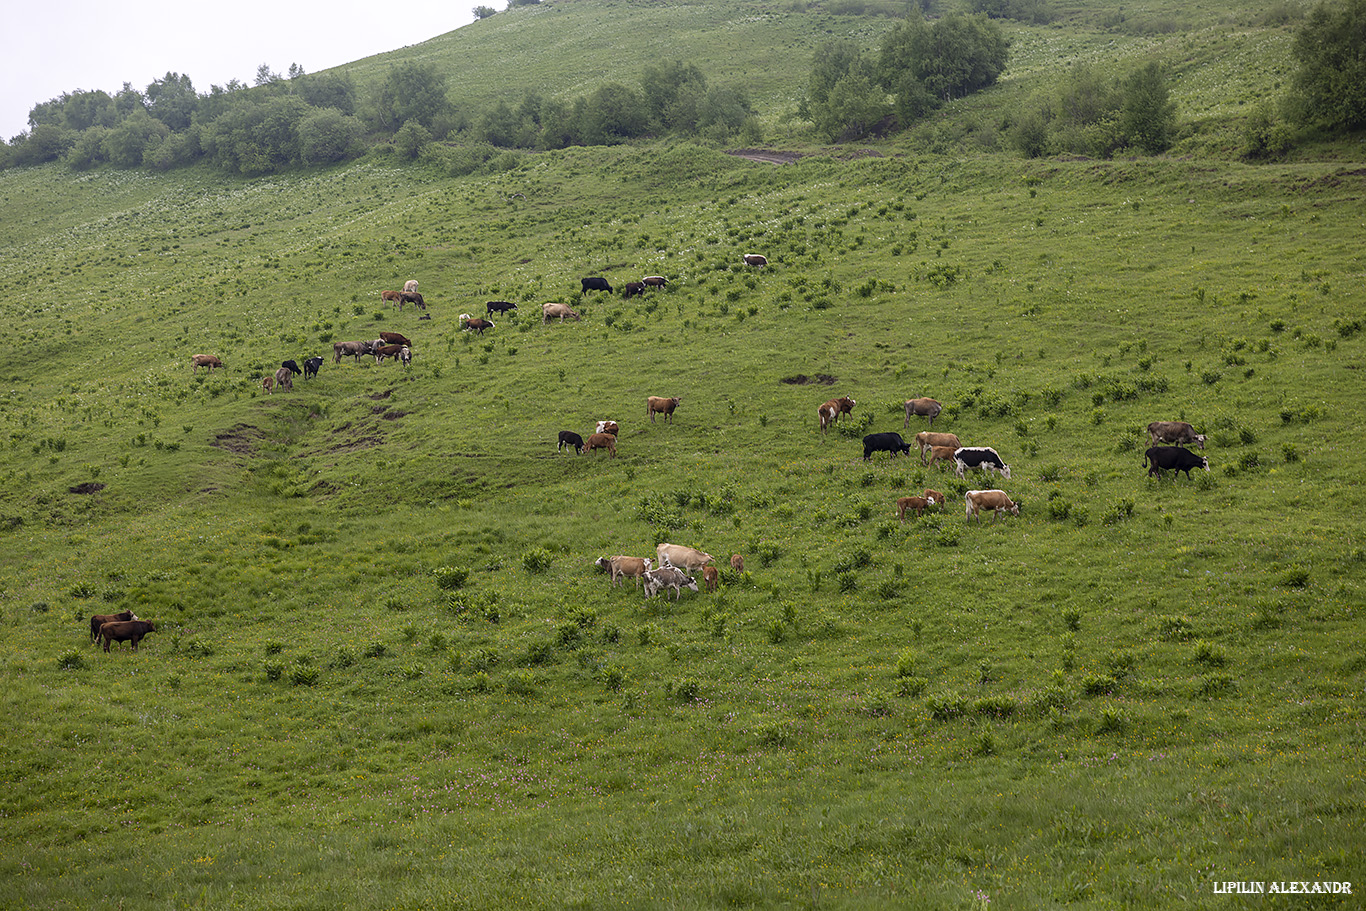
{"x":125,"y":630}
{"x":99,"y":620}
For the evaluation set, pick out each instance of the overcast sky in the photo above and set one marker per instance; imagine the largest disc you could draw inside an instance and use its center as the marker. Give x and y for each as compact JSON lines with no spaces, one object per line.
{"x":56,"y":46}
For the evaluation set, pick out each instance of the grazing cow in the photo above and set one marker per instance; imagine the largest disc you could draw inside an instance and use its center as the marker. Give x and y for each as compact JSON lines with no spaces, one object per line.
{"x":619,"y":566}
{"x":99,"y":620}
{"x":499,"y":307}
{"x":391,"y":297}
{"x":830,"y":412}
{"x":994,"y":500}
{"x":661,"y":405}
{"x":941,"y":454}
{"x":293,"y":367}
{"x":124,"y":631}
{"x":927,"y":440}
{"x":405,"y":356}
{"x":925,"y":408}
{"x":383,"y":351}
{"x":685,"y":558}
{"x":935,"y":497}
{"x":268,"y":384}
{"x":755,"y":259}
{"x":570,"y":438}
{"x":1178,"y":432}
{"x":594,"y":283}
{"x":709,"y":577}
{"x":919,"y":504}
{"x":284,"y":379}
{"x":410,"y":285}
{"x":737,"y":563}
{"x":601,"y":441}
{"x":654,"y":281}
{"x":204,"y":360}
{"x":355,"y":349}
{"x":885,"y":442}
{"x":311,"y":366}
{"x":1175,"y":458}
{"x":608,"y":427}
{"x":550,"y":311}
{"x":411,"y":297}
{"x":394,"y":338}
{"x":666,"y":577}
{"x":632,"y":289}
{"x":981,"y":457}
{"x":478,"y":324}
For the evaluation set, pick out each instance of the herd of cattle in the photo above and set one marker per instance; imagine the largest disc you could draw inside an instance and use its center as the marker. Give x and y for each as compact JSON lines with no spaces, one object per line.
{"x":675,"y":567}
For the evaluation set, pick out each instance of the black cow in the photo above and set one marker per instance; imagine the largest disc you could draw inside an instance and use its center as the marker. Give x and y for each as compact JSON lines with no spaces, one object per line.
{"x":570,"y":438}
{"x":500,"y":307}
{"x":293,"y":367}
{"x":1175,"y":458}
{"x":634,"y":288}
{"x":311,"y":366}
{"x":411,"y":297}
{"x":885,"y":442}
{"x":593,"y":283}
{"x":983,"y":457}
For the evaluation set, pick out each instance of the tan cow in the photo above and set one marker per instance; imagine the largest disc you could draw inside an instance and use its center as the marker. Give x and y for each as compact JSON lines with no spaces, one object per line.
{"x":994,"y":500}
{"x":709,"y":577}
{"x":620,"y":566}
{"x":665,"y":406}
{"x":925,"y":408}
{"x":830,"y":412}
{"x":941,"y":454}
{"x":268,"y":384}
{"x":390,"y":297}
{"x":927,"y":439}
{"x":551,"y":311}
{"x":204,"y":360}
{"x":601,"y":441}
{"x":410,"y":285}
{"x":688,"y":559}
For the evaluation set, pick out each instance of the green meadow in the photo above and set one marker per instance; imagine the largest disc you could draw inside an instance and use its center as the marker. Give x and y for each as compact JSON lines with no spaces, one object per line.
{"x":387,"y":674}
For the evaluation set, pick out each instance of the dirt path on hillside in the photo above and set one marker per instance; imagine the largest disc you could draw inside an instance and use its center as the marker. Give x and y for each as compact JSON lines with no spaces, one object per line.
{"x":772,"y":156}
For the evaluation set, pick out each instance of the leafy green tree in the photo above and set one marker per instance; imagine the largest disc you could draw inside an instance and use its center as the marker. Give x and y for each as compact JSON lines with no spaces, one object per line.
{"x":411,"y":138}
{"x":411,"y":91}
{"x":83,"y":110}
{"x":613,"y":114}
{"x":925,"y":65}
{"x":176,"y":150}
{"x":853,"y":108}
{"x":1147,"y":116}
{"x":45,"y":142}
{"x":256,"y":136}
{"x":126,"y":143}
{"x":172,"y":100}
{"x":88,"y":149}
{"x":1330,"y":48}
{"x":329,"y":136}
{"x":483,"y":12}
{"x":328,"y":90}
{"x":832,"y":61}
{"x":673,"y":92}
{"x":726,"y":111}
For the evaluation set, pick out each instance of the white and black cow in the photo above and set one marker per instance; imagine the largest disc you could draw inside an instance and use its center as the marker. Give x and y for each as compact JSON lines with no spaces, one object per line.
{"x":311,"y":366}
{"x":885,"y":442}
{"x":983,"y":458}
{"x":570,"y":438}
{"x":1173,"y":458}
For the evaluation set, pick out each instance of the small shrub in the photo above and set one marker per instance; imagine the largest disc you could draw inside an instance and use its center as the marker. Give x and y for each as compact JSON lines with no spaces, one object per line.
{"x":1208,"y":654}
{"x":536,"y":560}
{"x":1112,"y":721}
{"x":878,"y":704}
{"x":1295,"y":576}
{"x":449,"y":578}
{"x":521,"y":683}
{"x":303,"y":675}
{"x":274,"y":670}
{"x":1175,"y":629}
{"x":994,"y":706}
{"x":71,"y":661}
{"x":685,"y":690}
{"x":911,"y":686}
{"x":1072,"y":618}
{"x":945,"y":706}
{"x":1097,"y":684}
{"x":1215,"y":685}
{"x":376,"y":650}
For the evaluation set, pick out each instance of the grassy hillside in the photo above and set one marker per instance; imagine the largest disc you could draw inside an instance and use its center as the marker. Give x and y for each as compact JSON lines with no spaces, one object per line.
{"x":387,"y":674}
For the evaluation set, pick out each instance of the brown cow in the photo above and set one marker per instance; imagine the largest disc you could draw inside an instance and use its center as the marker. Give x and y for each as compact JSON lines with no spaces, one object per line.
{"x":394,"y":338}
{"x":411,"y":297}
{"x":391,"y":297}
{"x":204,"y":360}
{"x":919,"y":504}
{"x":934,"y":495}
{"x":926,"y":440}
{"x":268,"y":384}
{"x":601,"y":441}
{"x":925,"y":408}
{"x":756,"y":259}
{"x":941,"y":454}
{"x":98,"y":620}
{"x":661,"y":405}
{"x":125,"y":630}
{"x":611,"y":427}
{"x":620,"y":566}
{"x":830,"y":412}
{"x":709,"y":577}
{"x":284,"y":378}
{"x":654,"y":281}
{"x":737,"y":563}
{"x":383,"y":351}
{"x":995,"y":500}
